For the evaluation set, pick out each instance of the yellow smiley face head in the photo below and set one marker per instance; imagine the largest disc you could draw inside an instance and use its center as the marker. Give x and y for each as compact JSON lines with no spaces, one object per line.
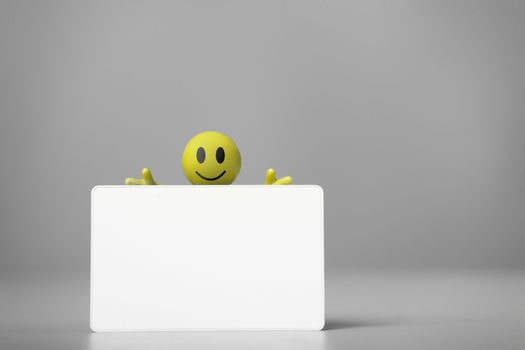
{"x":211,"y":158}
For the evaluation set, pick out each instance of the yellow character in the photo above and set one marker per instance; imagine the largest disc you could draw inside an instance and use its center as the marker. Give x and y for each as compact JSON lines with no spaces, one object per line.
{"x":210,"y":158}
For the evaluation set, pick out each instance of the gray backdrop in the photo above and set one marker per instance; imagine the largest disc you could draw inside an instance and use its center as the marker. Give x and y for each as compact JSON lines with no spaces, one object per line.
{"x":408,"y":113}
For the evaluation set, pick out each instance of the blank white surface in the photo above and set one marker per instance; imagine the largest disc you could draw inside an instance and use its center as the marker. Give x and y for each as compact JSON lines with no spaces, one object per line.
{"x":207,"y":257}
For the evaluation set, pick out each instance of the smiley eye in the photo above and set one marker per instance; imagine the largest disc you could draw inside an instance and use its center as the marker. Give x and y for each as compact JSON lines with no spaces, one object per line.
{"x":201,"y":155}
{"x":220,"y":155}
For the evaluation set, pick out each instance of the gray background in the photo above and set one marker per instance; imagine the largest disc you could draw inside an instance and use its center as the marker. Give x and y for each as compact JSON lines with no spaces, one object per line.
{"x":408,"y":113}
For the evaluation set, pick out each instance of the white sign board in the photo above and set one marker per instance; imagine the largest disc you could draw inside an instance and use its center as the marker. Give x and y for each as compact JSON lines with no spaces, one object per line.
{"x":207,"y":258}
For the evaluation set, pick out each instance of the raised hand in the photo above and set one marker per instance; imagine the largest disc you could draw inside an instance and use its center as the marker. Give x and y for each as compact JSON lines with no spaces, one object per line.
{"x":272,"y":180}
{"x":147,"y":179}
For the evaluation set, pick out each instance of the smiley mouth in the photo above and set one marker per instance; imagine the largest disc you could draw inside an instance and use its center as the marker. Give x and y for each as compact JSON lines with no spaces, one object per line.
{"x":211,"y":178}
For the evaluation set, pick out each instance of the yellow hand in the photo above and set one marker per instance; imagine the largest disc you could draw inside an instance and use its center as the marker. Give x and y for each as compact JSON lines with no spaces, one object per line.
{"x":147,"y":179}
{"x":272,"y":180}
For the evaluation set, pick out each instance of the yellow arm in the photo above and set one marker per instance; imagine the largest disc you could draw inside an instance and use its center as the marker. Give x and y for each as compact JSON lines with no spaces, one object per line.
{"x":271,"y":179}
{"x":147,"y":179}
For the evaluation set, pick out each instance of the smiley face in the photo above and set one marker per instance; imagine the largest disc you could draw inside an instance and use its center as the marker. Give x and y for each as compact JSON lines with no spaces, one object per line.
{"x":211,"y":158}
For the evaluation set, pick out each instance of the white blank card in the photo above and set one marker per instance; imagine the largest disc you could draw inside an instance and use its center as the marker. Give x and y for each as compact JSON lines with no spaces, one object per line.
{"x":207,"y":258}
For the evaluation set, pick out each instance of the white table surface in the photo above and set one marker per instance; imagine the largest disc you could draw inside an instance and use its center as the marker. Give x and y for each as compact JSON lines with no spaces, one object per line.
{"x":365,"y":310}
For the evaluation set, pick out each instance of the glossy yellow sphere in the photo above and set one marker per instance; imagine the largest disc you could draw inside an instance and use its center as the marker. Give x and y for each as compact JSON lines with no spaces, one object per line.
{"x":211,"y":158}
